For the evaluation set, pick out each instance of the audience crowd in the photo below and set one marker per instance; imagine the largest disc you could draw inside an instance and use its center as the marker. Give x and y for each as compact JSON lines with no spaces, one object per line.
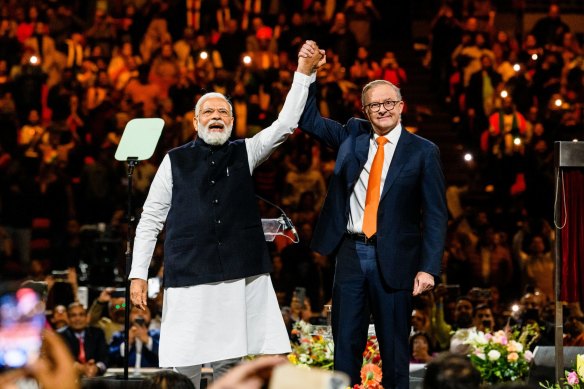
{"x":72,"y":76}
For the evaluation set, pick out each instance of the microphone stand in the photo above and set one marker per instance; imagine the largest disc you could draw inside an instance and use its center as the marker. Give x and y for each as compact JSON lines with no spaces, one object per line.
{"x":137,"y":144}
{"x":283,"y":219}
{"x":132,"y":162}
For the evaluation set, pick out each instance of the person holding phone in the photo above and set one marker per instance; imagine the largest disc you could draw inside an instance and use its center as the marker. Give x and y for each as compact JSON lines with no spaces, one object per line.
{"x":385,"y":217}
{"x":143,"y":342}
{"x":219,"y":302}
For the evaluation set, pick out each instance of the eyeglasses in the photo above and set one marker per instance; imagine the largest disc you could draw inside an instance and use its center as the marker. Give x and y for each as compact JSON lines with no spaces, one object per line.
{"x":387,"y":104}
{"x":208,"y":112}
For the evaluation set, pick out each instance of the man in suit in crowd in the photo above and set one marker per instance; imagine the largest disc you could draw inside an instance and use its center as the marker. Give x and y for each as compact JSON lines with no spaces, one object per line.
{"x":87,"y":344}
{"x":385,"y":217}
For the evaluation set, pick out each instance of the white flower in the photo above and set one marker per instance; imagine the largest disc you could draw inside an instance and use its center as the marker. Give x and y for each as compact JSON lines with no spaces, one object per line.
{"x":481,"y":338}
{"x":528,"y":355}
{"x":514,"y":346}
{"x":494,"y":355}
{"x":304,"y":358}
{"x":480,"y":355}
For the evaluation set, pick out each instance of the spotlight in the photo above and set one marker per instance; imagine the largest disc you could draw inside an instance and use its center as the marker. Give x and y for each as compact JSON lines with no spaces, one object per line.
{"x":504,"y":93}
{"x":534,"y":57}
{"x":204,"y":55}
{"x":33,"y":60}
{"x":246,"y":59}
{"x":468,"y":157}
{"x":558,"y":102}
{"x":515,"y":308}
{"x":517,"y":141}
{"x":517,"y":67}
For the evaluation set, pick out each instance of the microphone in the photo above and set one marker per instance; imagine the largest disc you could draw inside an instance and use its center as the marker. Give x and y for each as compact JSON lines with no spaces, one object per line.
{"x":284,"y":219}
{"x":290,"y":226}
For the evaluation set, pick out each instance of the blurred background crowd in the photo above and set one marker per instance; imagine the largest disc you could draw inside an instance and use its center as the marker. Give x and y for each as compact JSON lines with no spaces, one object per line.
{"x":493,"y":94}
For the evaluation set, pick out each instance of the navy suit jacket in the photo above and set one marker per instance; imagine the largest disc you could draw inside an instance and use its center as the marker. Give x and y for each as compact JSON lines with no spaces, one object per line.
{"x":94,"y":340}
{"x":412,"y":215}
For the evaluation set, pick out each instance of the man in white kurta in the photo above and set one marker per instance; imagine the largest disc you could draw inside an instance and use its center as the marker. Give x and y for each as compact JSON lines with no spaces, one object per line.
{"x":216,"y":321}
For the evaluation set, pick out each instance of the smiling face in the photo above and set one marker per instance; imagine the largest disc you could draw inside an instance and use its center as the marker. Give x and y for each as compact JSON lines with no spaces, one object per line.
{"x":214,"y":121}
{"x":77,"y":318}
{"x":383,"y":120}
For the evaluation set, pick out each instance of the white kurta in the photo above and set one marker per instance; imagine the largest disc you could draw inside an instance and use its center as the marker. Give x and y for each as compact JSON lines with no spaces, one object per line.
{"x":222,"y":320}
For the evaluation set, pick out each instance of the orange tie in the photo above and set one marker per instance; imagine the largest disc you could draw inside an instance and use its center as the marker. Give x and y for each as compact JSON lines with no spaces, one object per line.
{"x":374,"y":189}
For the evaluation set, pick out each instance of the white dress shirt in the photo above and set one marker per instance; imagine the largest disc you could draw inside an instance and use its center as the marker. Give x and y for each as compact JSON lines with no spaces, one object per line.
{"x":357,"y":200}
{"x":222,"y":320}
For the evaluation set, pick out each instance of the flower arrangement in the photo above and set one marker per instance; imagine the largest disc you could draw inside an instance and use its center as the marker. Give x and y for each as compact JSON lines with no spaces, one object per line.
{"x":501,"y":356}
{"x":371,"y":354}
{"x":311,"y":350}
{"x":573,"y":379}
{"x":315,"y":350}
{"x":370,"y":377}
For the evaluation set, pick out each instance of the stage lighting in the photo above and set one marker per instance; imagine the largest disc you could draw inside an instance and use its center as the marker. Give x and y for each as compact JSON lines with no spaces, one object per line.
{"x":517,"y":67}
{"x":246,"y":59}
{"x":468,"y":157}
{"x":517,"y":141}
{"x":534,"y":57}
{"x":34,"y":60}
{"x":504,"y":93}
{"x":558,"y":102}
{"x":204,"y":55}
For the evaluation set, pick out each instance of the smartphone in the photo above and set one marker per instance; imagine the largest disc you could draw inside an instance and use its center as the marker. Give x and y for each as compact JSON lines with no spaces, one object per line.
{"x":288,"y":376}
{"x":300,"y":294}
{"x":22,"y":319}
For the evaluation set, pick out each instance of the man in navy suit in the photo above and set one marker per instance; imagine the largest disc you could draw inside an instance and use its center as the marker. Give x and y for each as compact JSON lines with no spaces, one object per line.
{"x":397,"y":251}
{"x":87,"y":344}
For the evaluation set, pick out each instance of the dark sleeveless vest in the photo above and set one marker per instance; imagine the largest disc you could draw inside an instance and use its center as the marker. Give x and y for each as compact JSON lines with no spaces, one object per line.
{"x":213,"y":229}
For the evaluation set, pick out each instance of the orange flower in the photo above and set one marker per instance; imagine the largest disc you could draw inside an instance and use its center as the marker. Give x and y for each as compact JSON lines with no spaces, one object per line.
{"x":371,"y":376}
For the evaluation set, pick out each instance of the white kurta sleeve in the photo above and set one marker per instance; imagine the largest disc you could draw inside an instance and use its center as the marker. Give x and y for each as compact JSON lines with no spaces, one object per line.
{"x":261,"y":145}
{"x":152,"y":220}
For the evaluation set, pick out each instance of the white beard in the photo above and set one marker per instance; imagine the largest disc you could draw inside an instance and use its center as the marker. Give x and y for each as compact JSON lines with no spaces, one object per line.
{"x":214,"y":138}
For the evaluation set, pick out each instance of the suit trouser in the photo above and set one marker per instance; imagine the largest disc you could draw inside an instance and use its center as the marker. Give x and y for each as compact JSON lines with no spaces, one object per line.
{"x":358,"y":292}
{"x":219,"y":368}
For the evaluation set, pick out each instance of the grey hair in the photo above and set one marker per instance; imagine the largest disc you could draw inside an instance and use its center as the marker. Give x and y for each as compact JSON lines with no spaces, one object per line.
{"x":208,"y":96}
{"x":376,"y":83}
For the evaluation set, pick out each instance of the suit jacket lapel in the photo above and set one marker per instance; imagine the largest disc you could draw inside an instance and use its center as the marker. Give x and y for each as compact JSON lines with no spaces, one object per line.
{"x":362,"y":149}
{"x":398,"y":160}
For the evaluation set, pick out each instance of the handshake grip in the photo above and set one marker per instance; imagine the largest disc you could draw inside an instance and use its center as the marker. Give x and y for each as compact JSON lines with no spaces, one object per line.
{"x":308,"y":63}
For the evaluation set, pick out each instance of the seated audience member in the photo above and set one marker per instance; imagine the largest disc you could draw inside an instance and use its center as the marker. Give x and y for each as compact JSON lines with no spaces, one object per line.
{"x":420,"y":321}
{"x":59,"y":318}
{"x":482,"y":320}
{"x":116,"y":309}
{"x":167,"y":379}
{"x":574,"y":331}
{"x":420,"y":348}
{"x":451,"y":371}
{"x":531,"y":305}
{"x":86,"y":344}
{"x":143,"y":342}
{"x":463,"y":313}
